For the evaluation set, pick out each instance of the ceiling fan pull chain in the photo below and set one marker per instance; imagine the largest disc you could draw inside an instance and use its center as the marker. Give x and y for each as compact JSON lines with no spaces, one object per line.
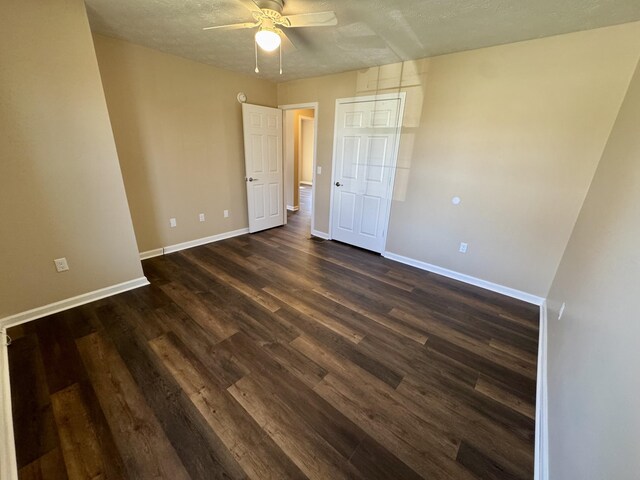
{"x":281,"y":59}
{"x":256,"y":47}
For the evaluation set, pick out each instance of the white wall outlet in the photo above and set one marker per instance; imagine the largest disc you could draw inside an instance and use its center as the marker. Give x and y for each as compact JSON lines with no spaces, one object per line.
{"x":463,"y":247}
{"x":201,"y":217}
{"x":226,"y":213}
{"x":319,"y":170}
{"x":61,"y":264}
{"x":173,"y":223}
{"x":561,"y":312}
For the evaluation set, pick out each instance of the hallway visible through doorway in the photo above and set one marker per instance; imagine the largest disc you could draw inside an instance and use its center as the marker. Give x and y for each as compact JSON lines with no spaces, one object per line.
{"x":300,"y":219}
{"x":299,"y":152}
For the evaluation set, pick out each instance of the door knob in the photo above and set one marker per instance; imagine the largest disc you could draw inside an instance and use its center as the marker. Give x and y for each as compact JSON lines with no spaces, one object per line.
{"x":338,"y":184}
{"x":251,"y":179}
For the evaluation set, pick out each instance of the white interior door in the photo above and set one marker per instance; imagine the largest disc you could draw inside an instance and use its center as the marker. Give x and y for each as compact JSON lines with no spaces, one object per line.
{"x":263,"y":166}
{"x":367,"y":136}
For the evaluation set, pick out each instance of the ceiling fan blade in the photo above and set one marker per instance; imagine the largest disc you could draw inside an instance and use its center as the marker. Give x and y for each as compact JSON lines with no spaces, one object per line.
{"x":287,"y":44}
{"x":319,"y":19}
{"x":235,"y":26}
{"x":299,"y":39}
{"x":251,"y":5}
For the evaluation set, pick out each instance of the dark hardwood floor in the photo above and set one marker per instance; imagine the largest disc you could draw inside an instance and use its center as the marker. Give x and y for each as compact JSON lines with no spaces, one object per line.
{"x":274,"y":356}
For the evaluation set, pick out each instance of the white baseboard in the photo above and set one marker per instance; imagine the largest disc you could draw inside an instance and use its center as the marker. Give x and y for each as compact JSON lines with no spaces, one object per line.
{"x":478,"y":282}
{"x":8,"y":463}
{"x":542,"y":406}
{"x":72,"y":302}
{"x":157,"y":252}
{"x":204,"y":241}
{"x":319,"y":234}
{"x":291,"y":208}
{"x":151,"y":253}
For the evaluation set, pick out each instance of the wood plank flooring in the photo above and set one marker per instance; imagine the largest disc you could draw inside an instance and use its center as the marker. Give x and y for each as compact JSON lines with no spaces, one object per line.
{"x":274,"y":356}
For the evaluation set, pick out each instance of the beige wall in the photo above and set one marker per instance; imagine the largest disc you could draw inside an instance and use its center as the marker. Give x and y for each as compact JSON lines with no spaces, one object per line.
{"x":515,"y":131}
{"x":178,"y":129}
{"x":305,"y":162}
{"x":61,"y":191}
{"x":593,"y":353}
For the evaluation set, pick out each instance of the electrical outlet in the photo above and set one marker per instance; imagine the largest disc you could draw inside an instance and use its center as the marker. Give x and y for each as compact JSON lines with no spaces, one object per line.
{"x":226,"y":213}
{"x":173,"y":223}
{"x":61,"y":264}
{"x":561,"y":312}
{"x":463,"y":247}
{"x":319,"y":170}
{"x":201,"y":217}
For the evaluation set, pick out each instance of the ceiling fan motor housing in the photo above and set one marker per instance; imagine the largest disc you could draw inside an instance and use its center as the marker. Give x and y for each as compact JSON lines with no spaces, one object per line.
{"x":269,"y":17}
{"x":275,"y":5}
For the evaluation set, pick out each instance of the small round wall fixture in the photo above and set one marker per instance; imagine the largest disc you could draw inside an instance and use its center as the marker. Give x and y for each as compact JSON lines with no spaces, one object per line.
{"x":242,"y":98}
{"x":455,"y":200}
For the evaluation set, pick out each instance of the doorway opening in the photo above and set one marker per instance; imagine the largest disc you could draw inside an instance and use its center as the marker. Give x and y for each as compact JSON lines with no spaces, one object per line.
{"x":299,"y":152}
{"x":306,"y":146}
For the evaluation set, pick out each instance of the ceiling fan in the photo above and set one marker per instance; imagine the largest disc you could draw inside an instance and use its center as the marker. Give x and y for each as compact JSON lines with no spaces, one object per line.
{"x":268,"y":20}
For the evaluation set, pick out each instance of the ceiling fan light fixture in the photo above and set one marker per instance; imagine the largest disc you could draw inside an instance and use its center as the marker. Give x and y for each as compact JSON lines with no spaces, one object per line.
{"x":267,"y":39}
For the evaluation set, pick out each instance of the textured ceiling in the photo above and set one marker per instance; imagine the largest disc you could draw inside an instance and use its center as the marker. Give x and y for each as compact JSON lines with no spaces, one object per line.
{"x":369,"y":32}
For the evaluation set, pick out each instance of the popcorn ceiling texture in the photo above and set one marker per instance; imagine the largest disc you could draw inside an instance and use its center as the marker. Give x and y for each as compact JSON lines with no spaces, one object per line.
{"x":368,"y":33}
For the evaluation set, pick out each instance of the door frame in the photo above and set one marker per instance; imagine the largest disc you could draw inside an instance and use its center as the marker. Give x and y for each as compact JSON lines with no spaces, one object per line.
{"x":303,"y":106}
{"x":368,"y":98}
